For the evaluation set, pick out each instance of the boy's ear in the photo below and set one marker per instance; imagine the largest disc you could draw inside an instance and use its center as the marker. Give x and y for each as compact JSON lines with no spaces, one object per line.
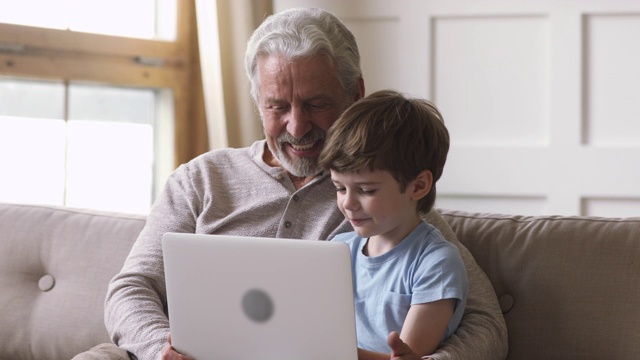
{"x":421,"y":186}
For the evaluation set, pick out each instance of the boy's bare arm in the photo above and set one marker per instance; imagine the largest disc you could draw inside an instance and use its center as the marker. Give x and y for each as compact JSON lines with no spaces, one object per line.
{"x":422,"y":331}
{"x":426,"y":324}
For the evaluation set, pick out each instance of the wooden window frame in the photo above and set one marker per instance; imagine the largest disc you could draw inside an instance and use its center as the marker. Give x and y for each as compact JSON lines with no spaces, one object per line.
{"x":39,"y":53}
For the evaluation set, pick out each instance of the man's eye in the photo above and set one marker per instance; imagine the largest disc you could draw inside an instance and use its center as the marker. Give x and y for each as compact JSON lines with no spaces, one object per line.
{"x":318,"y":106}
{"x":277,"y":108}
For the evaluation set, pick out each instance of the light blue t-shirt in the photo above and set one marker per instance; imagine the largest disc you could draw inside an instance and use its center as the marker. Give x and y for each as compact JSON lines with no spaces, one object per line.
{"x":423,"y":268}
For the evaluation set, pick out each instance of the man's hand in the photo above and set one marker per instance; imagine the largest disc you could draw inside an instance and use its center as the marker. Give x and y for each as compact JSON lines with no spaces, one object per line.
{"x":399,"y":349}
{"x":169,"y":353}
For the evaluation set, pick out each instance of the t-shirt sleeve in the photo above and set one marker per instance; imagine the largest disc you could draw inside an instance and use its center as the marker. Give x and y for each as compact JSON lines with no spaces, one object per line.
{"x":440,"y":274}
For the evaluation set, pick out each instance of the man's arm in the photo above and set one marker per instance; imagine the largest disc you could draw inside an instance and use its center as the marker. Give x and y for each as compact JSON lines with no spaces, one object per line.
{"x":482,"y":333}
{"x":135,"y":305}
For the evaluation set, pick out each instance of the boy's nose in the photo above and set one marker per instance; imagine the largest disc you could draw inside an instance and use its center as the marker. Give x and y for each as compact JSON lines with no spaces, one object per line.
{"x":350,"y":202}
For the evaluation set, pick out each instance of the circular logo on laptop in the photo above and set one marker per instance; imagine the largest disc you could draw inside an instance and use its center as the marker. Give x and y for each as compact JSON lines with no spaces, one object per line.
{"x":257,"y":305}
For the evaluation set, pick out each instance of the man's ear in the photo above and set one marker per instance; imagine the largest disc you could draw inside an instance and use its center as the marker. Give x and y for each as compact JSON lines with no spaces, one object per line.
{"x":421,"y":186}
{"x":359,"y":89}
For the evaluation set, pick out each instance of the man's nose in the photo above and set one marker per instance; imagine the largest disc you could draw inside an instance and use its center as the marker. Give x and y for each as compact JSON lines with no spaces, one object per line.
{"x":298,"y":123}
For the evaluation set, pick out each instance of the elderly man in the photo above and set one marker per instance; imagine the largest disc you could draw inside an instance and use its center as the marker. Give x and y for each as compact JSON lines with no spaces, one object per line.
{"x":304,"y":68}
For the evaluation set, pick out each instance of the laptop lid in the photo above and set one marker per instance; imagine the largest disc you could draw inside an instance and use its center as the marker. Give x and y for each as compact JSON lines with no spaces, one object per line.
{"x":234,"y":297}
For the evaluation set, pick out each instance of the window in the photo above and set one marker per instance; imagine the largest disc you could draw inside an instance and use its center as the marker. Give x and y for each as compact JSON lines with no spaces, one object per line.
{"x":146,"y":19}
{"x":93,"y":120}
{"x":102,"y":152}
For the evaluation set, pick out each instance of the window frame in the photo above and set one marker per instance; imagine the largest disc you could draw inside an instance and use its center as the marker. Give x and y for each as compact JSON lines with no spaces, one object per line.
{"x":51,"y":54}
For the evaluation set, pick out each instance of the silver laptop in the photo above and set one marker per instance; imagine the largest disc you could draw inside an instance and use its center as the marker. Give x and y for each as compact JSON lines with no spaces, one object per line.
{"x":232,"y":297}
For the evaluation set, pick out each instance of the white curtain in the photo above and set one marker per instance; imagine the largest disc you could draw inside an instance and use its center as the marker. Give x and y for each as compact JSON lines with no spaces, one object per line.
{"x":224,"y":26}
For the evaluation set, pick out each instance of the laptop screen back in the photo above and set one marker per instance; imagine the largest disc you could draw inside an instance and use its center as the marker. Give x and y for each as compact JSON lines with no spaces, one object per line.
{"x":233,"y":297}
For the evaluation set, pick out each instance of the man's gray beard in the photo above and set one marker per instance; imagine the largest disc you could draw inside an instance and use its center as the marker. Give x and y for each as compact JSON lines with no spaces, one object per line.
{"x":302,"y":167}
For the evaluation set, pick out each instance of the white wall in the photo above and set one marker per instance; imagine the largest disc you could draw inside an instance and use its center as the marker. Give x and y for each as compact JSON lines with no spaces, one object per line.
{"x":541,"y":97}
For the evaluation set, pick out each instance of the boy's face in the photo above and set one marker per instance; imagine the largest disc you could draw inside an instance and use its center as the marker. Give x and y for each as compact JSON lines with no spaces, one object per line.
{"x":375,"y":205}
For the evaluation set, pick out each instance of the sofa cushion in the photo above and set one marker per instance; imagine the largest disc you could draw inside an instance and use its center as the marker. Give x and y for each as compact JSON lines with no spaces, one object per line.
{"x":55,"y":265}
{"x":569,"y":286}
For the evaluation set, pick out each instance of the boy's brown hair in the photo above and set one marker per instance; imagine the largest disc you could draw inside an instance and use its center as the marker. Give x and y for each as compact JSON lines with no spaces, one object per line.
{"x":390,"y":132}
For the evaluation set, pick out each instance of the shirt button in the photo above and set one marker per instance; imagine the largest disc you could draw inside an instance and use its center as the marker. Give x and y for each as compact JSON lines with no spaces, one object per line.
{"x":279,"y":176}
{"x":287,"y":224}
{"x":296,"y":198}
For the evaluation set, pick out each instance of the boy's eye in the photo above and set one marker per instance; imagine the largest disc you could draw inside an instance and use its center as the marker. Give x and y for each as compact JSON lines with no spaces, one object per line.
{"x":368,"y":191}
{"x":340,"y":189}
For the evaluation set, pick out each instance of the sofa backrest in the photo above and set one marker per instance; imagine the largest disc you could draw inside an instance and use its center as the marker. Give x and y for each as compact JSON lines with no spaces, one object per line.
{"x":569,"y":287}
{"x":55,"y":265}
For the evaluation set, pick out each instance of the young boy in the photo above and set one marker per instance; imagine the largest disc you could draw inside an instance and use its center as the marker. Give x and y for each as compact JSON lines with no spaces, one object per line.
{"x":385,"y":154}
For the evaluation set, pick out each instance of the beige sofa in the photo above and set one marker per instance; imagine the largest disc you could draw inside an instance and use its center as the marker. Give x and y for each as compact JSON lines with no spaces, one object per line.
{"x":569,"y":287}
{"x":55,"y":264}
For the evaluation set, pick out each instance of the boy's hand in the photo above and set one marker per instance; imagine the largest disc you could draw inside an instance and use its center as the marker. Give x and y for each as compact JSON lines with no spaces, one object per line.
{"x":400,"y":350}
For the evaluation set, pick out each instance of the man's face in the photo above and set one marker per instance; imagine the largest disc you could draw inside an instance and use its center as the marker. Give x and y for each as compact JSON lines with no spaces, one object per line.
{"x":299,"y":100}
